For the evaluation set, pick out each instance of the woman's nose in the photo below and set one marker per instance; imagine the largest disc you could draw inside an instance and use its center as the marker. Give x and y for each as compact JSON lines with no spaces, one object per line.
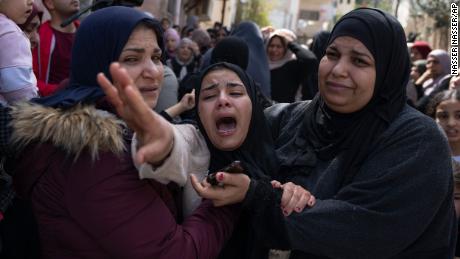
{"x":340,"y":68}
{"x":223,"y":100}
{"x":152,"y":69}
{"x":451,"y":121}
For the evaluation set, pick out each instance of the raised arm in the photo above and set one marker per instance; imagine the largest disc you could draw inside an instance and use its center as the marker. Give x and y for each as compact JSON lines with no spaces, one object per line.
{"x":164,"y":152}
{"x":154,"y":134}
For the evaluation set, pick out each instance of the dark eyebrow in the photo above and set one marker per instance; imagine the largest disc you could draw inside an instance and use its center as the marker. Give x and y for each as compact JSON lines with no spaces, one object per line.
{"x":332,"y":47}
{"x":141,"y":50}
{"x":138,"y":50}
{"x":234,"y":84}
{"x":209,"y":87}
{"x":355,"y":52}
{"x":215,"y":85}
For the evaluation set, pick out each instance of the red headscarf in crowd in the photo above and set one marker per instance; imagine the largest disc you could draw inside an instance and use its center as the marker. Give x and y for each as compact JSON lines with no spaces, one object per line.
{"x":423,"y":47}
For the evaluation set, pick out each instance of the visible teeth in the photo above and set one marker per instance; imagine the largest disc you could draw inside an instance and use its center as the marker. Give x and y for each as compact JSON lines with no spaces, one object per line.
{"x":451,"y":131}
{"x":226,"y":125}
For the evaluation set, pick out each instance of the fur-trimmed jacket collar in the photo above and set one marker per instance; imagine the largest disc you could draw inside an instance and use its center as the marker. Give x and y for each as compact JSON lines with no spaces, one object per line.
{"x":82,"y":127}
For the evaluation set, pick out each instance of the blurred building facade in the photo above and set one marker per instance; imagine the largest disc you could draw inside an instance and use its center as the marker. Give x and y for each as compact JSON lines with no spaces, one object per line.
{"x":315,"y":16}
{"x":304,"y":17}
{"x":208,"y":11}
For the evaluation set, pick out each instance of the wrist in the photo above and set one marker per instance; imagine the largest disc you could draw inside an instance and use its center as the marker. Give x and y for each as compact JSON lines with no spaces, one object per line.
{"x":160,"y":162}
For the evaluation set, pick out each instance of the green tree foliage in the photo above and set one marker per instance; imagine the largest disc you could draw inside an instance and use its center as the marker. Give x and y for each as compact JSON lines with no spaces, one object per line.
{"x":254,"y":10}
{"x":385,"y":5}
{"x":439,"y":10}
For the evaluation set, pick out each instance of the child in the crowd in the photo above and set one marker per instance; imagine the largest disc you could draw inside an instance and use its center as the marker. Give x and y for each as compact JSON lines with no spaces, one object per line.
{"x":445,"y":108}
{"x":31,"y":25}
{"x":17,"y":80}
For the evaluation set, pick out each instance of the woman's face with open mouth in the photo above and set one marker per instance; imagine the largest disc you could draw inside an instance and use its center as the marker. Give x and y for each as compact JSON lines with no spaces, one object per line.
{"x":225,"y":109}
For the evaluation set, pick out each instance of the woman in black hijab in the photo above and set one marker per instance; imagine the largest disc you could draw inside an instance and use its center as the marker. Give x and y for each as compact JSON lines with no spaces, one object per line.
{"x":256,"y":152}
{"x":380,"y":170}
{"x":232,"y":127}
{"x":258,"y":62}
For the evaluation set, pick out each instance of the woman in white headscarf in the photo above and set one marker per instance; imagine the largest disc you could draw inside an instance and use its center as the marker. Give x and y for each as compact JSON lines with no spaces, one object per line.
{"x":290,"y":65}
{"x":185,"y":60}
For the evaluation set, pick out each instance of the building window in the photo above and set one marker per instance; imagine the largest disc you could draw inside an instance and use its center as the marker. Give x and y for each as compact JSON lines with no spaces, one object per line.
{"x":309,"y":15}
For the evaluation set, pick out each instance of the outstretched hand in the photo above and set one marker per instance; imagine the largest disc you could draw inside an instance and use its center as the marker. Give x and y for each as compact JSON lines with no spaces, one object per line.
{"x":154,"y":133}
{"x":233,"y":190}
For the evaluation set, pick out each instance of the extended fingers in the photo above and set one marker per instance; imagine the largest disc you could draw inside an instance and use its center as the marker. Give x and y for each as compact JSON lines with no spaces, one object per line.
{"x":110,"y":90}
{"x":205,"y":190}
{"x":120,"y":75}
{"x":199,"y":188}
{"x":128,"y":91}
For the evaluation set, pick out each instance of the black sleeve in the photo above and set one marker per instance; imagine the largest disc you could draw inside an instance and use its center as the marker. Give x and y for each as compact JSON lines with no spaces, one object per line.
{"x":166,"y":116}
{"x":304,"y":56}
{"x":262,"y":201}
{"x":419,"y":90}
{"x":307,"y":70}
{"x":402,"y":195}
{"x":274,"y":115}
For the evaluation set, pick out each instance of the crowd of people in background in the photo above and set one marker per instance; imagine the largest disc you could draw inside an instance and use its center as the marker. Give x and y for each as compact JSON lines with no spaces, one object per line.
{"x":317,"y":159}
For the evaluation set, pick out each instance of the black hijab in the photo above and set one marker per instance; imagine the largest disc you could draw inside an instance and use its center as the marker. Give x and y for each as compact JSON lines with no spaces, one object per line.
{"x":233,"y":50}
{"x":324,"y":133}
{"x":319,"y":44}
{"x":99,"y":41}
{"x":257,"y":153}
{"x":258,"y":67}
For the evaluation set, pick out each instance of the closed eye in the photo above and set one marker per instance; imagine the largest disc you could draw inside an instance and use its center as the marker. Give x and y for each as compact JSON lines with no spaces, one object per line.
{"x":331,"y":54}
{"x":208,"y":97}
{"x":236,"y":94}
{"x":130,"y":59}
